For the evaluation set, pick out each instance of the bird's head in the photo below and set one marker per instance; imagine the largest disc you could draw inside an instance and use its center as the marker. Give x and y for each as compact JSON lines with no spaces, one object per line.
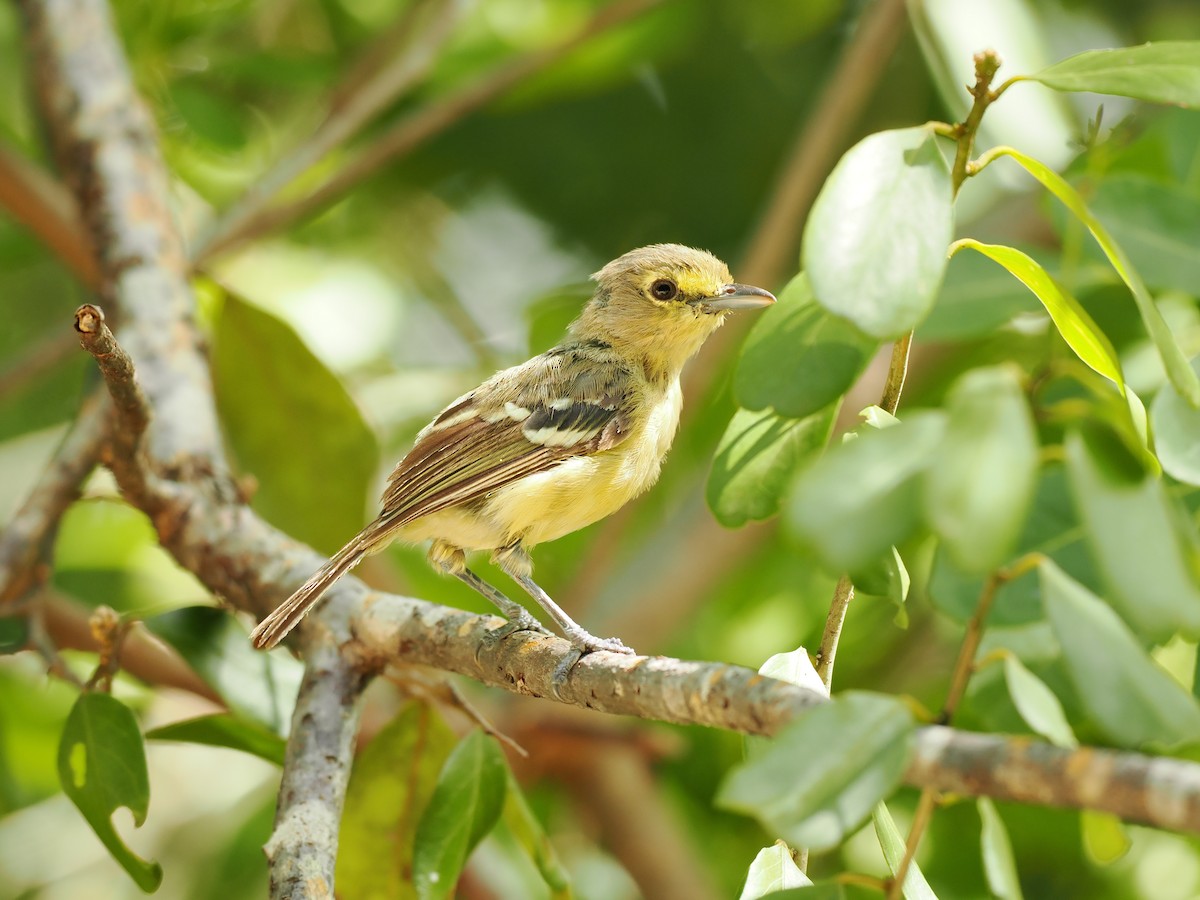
{"x":661,"y":302}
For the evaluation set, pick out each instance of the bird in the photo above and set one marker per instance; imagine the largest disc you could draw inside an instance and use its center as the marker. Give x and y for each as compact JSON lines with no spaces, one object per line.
{"x":552,"y":445}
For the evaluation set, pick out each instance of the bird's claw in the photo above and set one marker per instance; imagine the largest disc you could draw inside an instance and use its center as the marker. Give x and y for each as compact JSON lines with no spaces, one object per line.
{"x":522,"y":621}
{"x":583,"y":643}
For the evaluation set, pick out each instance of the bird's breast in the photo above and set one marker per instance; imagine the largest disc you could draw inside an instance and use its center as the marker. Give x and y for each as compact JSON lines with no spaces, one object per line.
{"x":584,"y":489}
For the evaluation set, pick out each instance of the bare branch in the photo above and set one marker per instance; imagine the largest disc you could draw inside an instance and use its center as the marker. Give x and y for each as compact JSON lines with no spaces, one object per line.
{"x":106,"y":146}
{"x":426,"y":122}
{"x":303,"y":847}
{"x":26,"y":539}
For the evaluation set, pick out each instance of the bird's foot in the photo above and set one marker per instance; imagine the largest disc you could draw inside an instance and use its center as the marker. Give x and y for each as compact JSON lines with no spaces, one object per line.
{"x":519,"y":619}
{"x":582,"y":643}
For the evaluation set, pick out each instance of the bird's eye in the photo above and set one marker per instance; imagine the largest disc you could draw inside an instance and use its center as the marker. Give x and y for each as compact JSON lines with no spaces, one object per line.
{"x":664,"y":289}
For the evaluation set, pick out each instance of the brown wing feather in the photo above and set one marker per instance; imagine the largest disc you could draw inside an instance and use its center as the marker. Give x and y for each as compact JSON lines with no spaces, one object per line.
{"x":523,"y":421}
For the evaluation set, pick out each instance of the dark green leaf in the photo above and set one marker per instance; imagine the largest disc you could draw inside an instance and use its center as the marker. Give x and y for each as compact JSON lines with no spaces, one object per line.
{"x":1126,"y":694}
{"x":1161,"y":72}
{"x":465,"y":805}
{"x":852,"y":505}
{"x":293,"y":426}
{"x":874,"y":246}
{"x":224,"y":730}
{"x":262,"y":686}
{"x":391,"y":784}
{"x":1052,"y":529}
{"x":1178,"y":370}
{"x":891,"y":841}
{"x":1074,"y":324}
{"x":773,"y":870}
{"x":825,"y":772}
{"x":102,"y":767}
{"x":758,"y":456}
{"x":14,"y":633}
{"x":798,"y":358}
{"x":1158,"y":225}
{"x":1037,"y":704}
{"x":982,"y":474}
{"x":1176,"y":426}
{"x":1145,"y":547}
{"x":998,"y":862}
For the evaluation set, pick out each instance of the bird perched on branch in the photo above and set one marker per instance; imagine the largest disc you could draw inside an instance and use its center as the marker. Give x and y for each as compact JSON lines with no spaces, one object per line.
{"x":550,"y":446}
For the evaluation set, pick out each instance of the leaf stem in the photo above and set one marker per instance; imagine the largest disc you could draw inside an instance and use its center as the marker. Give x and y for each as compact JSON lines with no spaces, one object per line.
{"x":987,"y":64}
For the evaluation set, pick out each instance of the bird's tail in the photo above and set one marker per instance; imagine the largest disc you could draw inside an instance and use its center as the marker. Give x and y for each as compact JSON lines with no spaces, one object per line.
{"x":275,"y":627}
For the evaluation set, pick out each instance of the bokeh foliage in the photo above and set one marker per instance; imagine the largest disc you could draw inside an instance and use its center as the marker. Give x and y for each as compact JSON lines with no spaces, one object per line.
{"x":335,"y":340}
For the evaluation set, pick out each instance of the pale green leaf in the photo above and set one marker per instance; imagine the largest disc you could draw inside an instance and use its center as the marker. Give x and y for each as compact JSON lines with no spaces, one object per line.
{"x":1036,"y":703}
{"x":1175,"y":363}
{"x":1160,"y":72}
{"x":874,"y":245}
{"x":823,"y":774}
{"x":998,"y":863}
{"x":772,"y":870}
{"x":891,"y":841}
{"x":1077,"y":328}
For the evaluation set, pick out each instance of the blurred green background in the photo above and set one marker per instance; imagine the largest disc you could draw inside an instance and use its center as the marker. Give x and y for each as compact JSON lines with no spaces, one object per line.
{"x":335,"y":339}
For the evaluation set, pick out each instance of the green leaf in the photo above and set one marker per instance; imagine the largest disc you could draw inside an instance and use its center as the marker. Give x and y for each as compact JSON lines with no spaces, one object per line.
{"x":1037,"y":704}
{"x":261,"y":686}
{"x":1178,"y":370}
{"x":757,"y":458}
{"x":981,"y":478}
{"x":1176,"y":427}
{"x":976,"y":299}
{"x":772,"y":870}
{"x":532,"y":838}
{"x":798,"y":358}
{"x":823,"y":774}
{"x":466,"y":803}
{"x":874,"y":246}
{"x":998,"y":863}
{"x":1104,"y":836}
{"x":14,"y":634}
{"x":1144,"y":545}
{"x":1077,"y":328}
{"x":1161,"y":72}
{"x":1126,"y":694}
{"x":102,"y":767}
{"x":292,"y":425}
{"x":862,"y":497}
{"x":224,"y":730}
{"x":1157,"y":225}
{"x":893,"y":845}
{"x":390,"y":785}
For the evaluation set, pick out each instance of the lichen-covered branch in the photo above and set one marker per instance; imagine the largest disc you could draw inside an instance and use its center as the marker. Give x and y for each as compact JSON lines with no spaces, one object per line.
{"x":303,"y":847}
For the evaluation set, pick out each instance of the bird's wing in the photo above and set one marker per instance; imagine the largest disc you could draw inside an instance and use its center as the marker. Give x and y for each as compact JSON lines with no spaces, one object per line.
{"x":572,"y":401}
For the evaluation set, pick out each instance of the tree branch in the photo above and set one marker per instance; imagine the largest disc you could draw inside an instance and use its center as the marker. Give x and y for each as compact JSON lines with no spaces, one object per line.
{"x":26,"y":539}
{"x":303,"y":847}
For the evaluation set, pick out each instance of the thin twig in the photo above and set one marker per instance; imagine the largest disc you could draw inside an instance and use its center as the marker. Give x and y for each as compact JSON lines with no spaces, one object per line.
{"x":889,"y":401}
{"x":413,"y":130}
{"x":963,"y":668}
{"x":27,"y":537}
{"x":843,"y":595}
{"x":987,"y":64}
{"x":419,"y":41}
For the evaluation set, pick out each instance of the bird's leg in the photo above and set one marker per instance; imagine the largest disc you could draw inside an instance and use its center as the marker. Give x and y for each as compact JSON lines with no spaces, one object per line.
{"x":453,"y":561}
{"x":515,"y":562}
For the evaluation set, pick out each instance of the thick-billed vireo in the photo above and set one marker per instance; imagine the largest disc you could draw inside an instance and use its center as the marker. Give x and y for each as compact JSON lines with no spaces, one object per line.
{"x":554,"y":444}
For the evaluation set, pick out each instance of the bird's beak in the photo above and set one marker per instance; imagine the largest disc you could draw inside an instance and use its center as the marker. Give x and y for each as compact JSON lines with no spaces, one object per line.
{"x":736,"y":296}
